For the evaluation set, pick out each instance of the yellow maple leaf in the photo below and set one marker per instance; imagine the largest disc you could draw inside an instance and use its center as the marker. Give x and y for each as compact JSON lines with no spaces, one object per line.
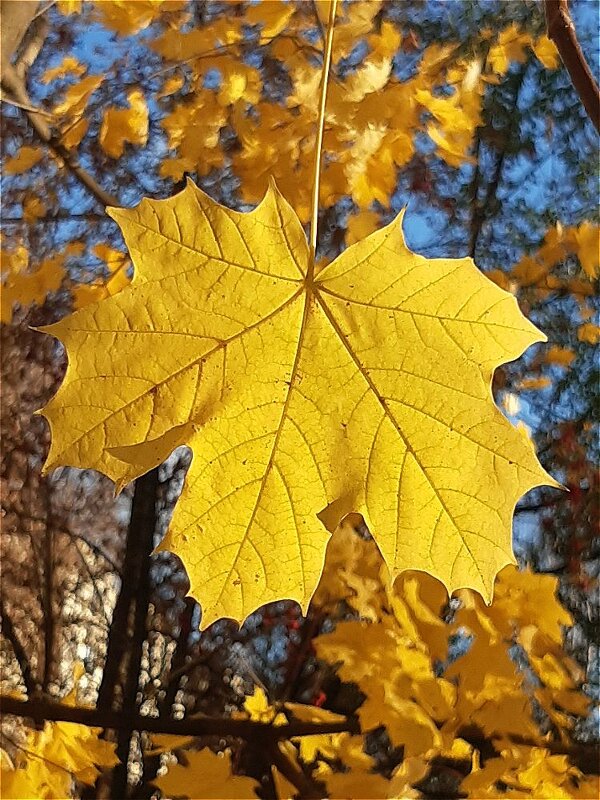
{"x":354,"y":785}
{"x":27,"y":288}
{"x":127,"y":18}
{"x":68,"y":7}
{"x":76,"y":97}
{"x":511,"y":46}
{"x":546,"y":52}
{"x":52,"y":758}
{"x":589,"y":333}
{"x":586,"y":240}
{"x":562,"y":356}
{"x":272,"y":18}
{"x":125,"y":125}
{"x":33,"y":208}
{"x":364,"y":388}
{"x":207,"y":775}
{"x":25,"y":159}
{"x":68,"y":66}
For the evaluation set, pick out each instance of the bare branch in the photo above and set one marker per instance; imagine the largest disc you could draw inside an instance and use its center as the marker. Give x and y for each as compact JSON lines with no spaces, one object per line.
{"x":42,"y":710}
{"x":14,"y":85}
{"x":562,"y":32}
{"x":22,"y":658}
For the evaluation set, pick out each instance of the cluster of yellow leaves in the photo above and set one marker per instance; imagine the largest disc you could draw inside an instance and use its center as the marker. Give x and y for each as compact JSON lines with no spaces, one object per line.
{"x":125,"y":125}
{"x":559,"y":243}
{"x":372,"y":116}
{"x":299,"y":393}
{"x":204,"y":774}
{"x":24,"y":160}
{"x":541,"y":275}
{"x":523,"y":772}
{"x":393,"y":655}
{"x":119,"y":126}
{"x":47,"y":763}
{"x":512,"y":46}
{"x":23,"y":287}
{"x":393,"y":661}
{"x":70,"y":110}
{"x":123,"y":16}
{"x":118,"y":265}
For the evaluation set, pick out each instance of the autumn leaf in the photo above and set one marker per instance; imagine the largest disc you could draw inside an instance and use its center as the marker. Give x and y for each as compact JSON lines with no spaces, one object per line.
{"x":25,"y":159}
{"x":67,"y":67}
{"x":52,"y":757}
{"x":365,"y":387}
{"x":206,"y":775}
{"x":122,"y":125}
{"x":26,"y":288}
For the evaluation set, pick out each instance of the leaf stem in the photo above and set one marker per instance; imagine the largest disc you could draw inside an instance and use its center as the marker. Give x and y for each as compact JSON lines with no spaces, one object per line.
{"x":319,"y":142}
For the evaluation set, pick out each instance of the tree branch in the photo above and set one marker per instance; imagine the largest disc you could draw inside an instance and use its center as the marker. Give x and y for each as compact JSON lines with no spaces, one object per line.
{"x":308,"y":788}
{"x":22,"y":658}
{"x":142,"y":527}
{"x":14,"y":85}
{"x":42,"y":710}
{"x":562,"y":32}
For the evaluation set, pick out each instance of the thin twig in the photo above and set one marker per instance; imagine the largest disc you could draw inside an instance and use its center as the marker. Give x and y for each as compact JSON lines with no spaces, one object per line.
{"x":14,"y":85}
{"x":21,"y":656}
{"x":319,"y":141}
{"x":307,"y":787}
{"x":562,"y":32}
{"x":42,"y":710}
{"x":26,"y":106}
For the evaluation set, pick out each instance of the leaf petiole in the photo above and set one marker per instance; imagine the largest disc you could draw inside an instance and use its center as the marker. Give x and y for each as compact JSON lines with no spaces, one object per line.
{"x":319,"y":141}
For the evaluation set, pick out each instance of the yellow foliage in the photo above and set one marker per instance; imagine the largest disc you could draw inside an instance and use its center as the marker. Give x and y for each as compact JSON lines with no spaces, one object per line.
{"x":25,"y":159}
{"x":33,"y":208}
{"x":128,"y":17}
{"x":511,"y":46}
{"x":26,"y":288}
{"x":68,"y":66}
{"x":72,"y":107}
{"x":207,"y":775}
{"x":588,"y":249}
{"x":272,"y":18}
{"x":589,"y":333}
{"x":354,"y":785}
{"x":563,"y":356}
{"x":118,"y":265}
{"x":532,"y":384}
{"x":559,"y":243}
{"x":76,"y":97}
{"x":329,"y":388}
{"x":392,"y":661}
{"x":546,"y":52}
{"x":67,"y":7}
{"x":193,"y":129}
{"x":527,"y":772}
{"x":125,"y":125}
{"x":372,"y":117}
{"x":49,"y":760}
